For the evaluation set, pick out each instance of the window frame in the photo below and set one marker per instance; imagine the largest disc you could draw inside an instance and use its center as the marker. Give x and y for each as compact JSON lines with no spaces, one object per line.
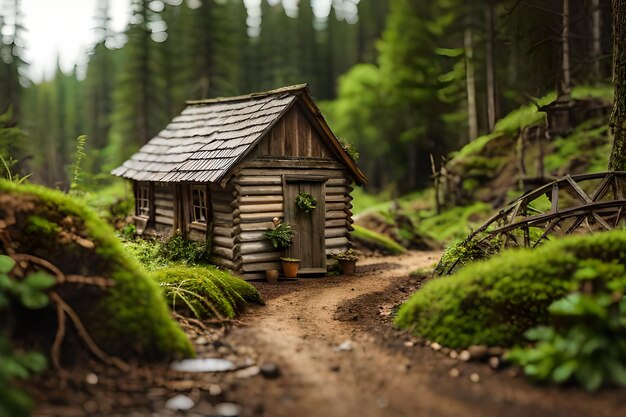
{"x":142,"y":200}
{"x":196,"y":210}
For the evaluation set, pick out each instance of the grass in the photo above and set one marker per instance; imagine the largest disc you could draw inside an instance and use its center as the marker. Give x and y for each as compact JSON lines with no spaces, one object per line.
{"x":454,"y":224}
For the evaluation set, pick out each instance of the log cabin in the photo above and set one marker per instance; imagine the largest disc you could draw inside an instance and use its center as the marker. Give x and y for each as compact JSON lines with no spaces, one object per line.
{"x":224,"y":168}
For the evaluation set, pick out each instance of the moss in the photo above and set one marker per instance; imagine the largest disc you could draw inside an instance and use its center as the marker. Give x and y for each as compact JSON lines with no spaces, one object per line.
{"x":455,"y":223}
{"x":39,"y":225}
{"x":494,"y":302}
{"x":206,"y":292}
{"x":377,"y":240}
{"x":131,"y":318}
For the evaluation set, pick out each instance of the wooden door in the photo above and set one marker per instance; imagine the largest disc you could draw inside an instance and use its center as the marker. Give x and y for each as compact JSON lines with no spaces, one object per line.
{"x":308,"y":240}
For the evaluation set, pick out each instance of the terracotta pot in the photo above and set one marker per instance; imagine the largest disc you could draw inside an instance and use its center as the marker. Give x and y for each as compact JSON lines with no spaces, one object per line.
{"x":347,"y":267}
{"x":290,"y":268}
{"x":272,"y":275}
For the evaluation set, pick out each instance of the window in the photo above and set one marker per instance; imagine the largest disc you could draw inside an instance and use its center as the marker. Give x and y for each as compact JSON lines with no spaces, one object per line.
{"x":199,"y":212}
{"x":143,"y":200}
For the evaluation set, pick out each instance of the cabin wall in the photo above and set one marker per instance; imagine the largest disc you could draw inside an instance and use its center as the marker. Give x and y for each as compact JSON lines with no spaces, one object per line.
{"x":223,"y":239}
{"x":164,"y":208}
{"x":260,"y":198}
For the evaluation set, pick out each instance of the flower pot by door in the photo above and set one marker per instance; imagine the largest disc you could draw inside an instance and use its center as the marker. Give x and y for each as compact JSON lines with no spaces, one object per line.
{"x":272,"y":275}
{"x":290,"y":268}
{"x":347,"y":267}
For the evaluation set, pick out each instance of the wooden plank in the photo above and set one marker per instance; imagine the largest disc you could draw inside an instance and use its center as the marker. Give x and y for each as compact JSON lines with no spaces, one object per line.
{"x":293,"y":163}
{"x":555,"y":198}
{"x":256,"y":226}
{"x":335,"y":214}
{"x":336,"y":198}
{"x":260,"y":217}
{"x":336,"y":232}
{"x":335,"y":182}
{"x":164,"y":220}
{"x":335,"y":223}
{"x":261,"y":208}
{"x":222,"y":231}
{"x":225,"y":242}
{"x":225,"y":263}
{"x":602,"y":188}
{"x":251,"y":236}
{"x":336,"y":242}
{"x":579,"y":191}
{"x":337,"y":190}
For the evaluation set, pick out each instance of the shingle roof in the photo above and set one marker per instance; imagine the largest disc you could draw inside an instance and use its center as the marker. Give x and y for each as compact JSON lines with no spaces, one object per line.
{"x":210,"y":136}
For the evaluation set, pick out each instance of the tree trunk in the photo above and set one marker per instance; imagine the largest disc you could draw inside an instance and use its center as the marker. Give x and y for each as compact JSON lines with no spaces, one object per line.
{"x":617,"y":160}
{"x":596,"y":45}
{"x":491,"y":69}
{"x":566,"y":80}
{"x":472,"y":119}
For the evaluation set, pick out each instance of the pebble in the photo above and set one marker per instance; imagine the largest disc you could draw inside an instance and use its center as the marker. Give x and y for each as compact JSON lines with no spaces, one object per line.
{"x":435,"y":346}
{"x":228,"y":409}
{"x":496,"y":351}
{"x":454,"y":354}
{"x":215,"y":390}
{"x":494,"y":362}
{"x":409,"y":343}
{"x":248,"y":372}
{"x":202,"y":341}
{"x":179,"y":403}
{"x":91,"y":379}
{"x":465,"y":355}
{"x":335,"y":368}
{"x":203,"y":365}
{"x":474,"y":377}
{"x":270,"y":370}
{"x":344,"y":347}
{"x":454,"y":373}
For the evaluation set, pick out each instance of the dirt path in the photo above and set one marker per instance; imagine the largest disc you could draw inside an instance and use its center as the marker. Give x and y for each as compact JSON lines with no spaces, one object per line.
{"x":301,"y":329}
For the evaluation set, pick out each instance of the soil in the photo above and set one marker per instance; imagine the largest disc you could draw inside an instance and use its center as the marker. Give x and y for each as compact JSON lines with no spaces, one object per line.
{"x":338,"y":354}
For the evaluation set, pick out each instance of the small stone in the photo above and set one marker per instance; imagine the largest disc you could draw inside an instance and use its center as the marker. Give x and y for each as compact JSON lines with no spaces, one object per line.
{"x":465,"y":355}
{"x":435,"y":346}
{"x":496,"y":351}
{"x":344,"y":347}
{"x":248,"y":372}
{"x":454,"y":354}
{"x":214,"y":390}
{"x":202,"y":341}
{"x":445,"y":350}
{"x":474,"y":377}
{"x":454,"y":373}
{"x":227,"y":409}
{"x":203,"y":365}
{"x":335,"y":368}
{"x":494,"y":362}
{"x":85,"y":243}
{"x":91,"y":406}
{"x":478,"y":352}
{"x":270,"y":370}
{"x":382,"y":402}
{"x":223,"y":350}
{"x":409,"y":343}
{"x":91,"y":378}
{"x":179,"y":403}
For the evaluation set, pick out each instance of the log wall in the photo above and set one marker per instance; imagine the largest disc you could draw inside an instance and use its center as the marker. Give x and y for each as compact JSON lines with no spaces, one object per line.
{"x":260,"y":197}
{"x":164,"y":208}
{"x":223,"y":245}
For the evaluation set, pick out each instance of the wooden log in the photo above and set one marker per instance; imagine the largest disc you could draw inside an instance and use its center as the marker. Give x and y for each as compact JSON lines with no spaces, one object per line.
{"x":337,"y":190}
{"x":250,"y":267}
{"x":335,"y":215}
{"x":256,"y":247}
{"x":225,"y":263}
{"x":220,"y":207}
{"x":226,"y":253}
{"x":261,"y":217}
{"x":252,"y":276}
{"x":337,"y":198}
{"x":225,"y":242}
{"x":261,"y":208}
{"x":260,"y":257}
{"x":309,"y":163}
{"x":262,"y":190}
{"x":164,"y":220}
{"x":222,"y":231}
{"x":335,"y":232}
{"x":251,"y":236}
{"x":256,"y":180}
{"x":255,"y":226}
{"x":334,"y":182}
{"x":335,"y":206}
{"x":223,"y":217}
{"x":337,"y":242}
{"x":262,"y":199}
{"x":164,"y":212}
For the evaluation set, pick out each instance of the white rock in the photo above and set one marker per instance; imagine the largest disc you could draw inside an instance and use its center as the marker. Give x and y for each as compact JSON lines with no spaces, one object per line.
{"x":203,"y":365}
{"x":465,"y":355}
{"x":474,"y":377}
{"x":227,"y":409}
{"x":91,"y":379}
{"x":179,"y":403}
{"x":344,"y":347}
{"x":248,"y":372}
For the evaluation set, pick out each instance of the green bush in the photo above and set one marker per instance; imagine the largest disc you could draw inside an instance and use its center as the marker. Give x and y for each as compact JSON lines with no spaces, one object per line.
{"x":586,"y":341}
{"x":495,"y":302}
{"x":173,"y":251}
{"x":206,"y":292}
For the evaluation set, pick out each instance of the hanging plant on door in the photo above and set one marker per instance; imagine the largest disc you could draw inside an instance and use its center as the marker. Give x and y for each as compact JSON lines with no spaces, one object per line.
{"x":306,"y":202}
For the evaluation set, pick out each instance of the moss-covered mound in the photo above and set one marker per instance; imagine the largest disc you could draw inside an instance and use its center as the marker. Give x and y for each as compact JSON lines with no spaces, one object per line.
{"x":372,"y":240}
{"x":130,"y":318}
{"x":496,"y":301}
{"x":206,"y":292}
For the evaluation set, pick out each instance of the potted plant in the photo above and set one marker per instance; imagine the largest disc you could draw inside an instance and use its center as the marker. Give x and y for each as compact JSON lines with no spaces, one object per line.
{"x":281,"y":237}
{"x":290,"y":267}
{"x":306,"y":202}
{"x":347,"y":261}
{"x":272,"y":275}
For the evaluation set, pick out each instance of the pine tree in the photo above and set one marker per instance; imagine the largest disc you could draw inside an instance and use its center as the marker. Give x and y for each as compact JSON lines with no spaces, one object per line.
{"x":11,"y":55}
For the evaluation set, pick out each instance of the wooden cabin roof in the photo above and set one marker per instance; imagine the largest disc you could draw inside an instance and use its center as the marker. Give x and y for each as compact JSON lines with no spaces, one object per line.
{"x":209,"y":137}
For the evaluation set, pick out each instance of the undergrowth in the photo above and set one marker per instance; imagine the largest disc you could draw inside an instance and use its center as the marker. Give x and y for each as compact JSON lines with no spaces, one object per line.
{"x":496,"y":301}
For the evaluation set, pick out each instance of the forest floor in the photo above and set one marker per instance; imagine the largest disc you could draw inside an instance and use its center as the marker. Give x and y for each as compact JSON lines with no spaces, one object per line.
{"x":333,"y":342}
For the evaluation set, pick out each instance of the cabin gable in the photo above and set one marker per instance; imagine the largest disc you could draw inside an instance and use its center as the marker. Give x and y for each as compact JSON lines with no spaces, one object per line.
{"x":293,"y":136}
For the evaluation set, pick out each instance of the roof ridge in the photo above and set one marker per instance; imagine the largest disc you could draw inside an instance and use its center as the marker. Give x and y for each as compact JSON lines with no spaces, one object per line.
{"x":287,"y":89}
